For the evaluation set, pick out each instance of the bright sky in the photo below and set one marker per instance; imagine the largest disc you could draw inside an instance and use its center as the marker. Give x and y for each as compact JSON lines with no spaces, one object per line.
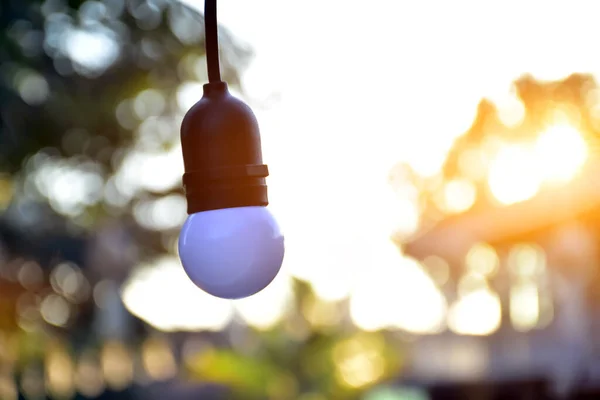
{"x":358,"y":83}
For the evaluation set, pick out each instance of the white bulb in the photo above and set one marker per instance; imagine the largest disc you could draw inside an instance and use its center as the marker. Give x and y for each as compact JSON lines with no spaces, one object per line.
{"x":232,"y":252}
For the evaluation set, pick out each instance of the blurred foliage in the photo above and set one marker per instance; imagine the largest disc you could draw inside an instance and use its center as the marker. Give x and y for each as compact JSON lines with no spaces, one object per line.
{"x":50,"y":88}
{"x":84,"y":84}
{"x":337,"y":365}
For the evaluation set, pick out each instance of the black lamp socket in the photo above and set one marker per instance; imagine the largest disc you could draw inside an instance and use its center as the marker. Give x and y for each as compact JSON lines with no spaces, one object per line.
{"x":222,"y":153}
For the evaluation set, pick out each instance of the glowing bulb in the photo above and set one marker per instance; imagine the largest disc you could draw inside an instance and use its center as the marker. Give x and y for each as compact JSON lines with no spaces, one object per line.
{"x":232,"y":252}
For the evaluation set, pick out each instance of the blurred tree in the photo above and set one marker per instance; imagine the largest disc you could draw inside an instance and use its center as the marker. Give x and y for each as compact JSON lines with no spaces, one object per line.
{"x":90,"y":91}
{"x":67,"y":65}
{"x":529,"y":109}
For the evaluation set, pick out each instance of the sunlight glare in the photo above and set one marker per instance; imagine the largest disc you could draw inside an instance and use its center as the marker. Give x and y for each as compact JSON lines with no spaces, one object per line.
{"x":518,"y":171}
{"x":560,"y":152}
{"x":92,"y":50}
{"x":396,"y":292}
{"x":332,"y":263}
{"x":458,"y":196}
{"x":188,"y":94}
{"x":510,"y":108}
{"x":161,"y":295}
{"x":150,"y":170}
{"x":524,"y":306}
{"x":391,"y":212}
{"x":513,"y":176}
{"x":268,"y":307}
{"x":427,"y":158}
{"x":478,"y":313}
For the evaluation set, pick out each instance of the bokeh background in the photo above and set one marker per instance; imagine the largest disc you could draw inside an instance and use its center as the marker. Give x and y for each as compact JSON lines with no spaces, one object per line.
{"x":433,"y":166}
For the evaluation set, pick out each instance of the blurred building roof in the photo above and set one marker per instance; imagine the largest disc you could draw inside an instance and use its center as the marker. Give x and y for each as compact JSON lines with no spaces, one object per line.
{"x":451,"y":238}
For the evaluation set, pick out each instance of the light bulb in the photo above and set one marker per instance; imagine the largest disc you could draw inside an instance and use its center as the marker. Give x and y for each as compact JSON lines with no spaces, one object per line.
{"x":230,"y":246}
{"x":231,"y":252}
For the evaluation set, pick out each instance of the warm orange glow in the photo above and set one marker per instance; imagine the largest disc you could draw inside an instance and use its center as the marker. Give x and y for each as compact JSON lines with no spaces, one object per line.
{"x":473,"y":164}
{"x":518,"y":171}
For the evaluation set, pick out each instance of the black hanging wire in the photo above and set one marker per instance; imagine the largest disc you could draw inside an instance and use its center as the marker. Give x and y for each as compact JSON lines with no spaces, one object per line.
{"x":211,"y":37}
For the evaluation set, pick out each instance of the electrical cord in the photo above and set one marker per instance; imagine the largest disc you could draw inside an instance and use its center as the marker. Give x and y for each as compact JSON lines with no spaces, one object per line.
{"x":211,"y":38}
